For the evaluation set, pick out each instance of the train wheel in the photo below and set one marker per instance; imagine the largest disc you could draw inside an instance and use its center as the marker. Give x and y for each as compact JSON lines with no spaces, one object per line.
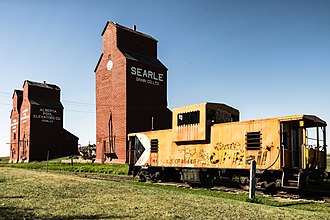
{"x":144,"y":176}
{"x":244,"y":182}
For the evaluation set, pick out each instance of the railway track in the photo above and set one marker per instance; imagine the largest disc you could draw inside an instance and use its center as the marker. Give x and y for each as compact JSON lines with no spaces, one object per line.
{"x":287,"y":194}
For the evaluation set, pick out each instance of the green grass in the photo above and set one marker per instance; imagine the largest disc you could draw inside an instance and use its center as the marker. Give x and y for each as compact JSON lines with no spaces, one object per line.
{"x":28,"y":194}
{"x":328,"y":162}
{"x":4,"y":159}
{"x":56,"y":165}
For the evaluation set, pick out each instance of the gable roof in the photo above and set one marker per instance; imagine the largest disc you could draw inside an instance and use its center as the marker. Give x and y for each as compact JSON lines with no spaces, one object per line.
{"x":98,"y":63}
{"x":127,"y":29}
{"x":69,"y":134}
{"x":42,"y":85}
{"x":142,"y":59}
{"x":18,"y":92}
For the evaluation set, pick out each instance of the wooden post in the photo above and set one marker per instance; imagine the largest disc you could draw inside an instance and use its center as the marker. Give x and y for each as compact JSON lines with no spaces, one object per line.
{"x":47,"y":160}
{"x":71,"y":163}
{"x":252,"y":190}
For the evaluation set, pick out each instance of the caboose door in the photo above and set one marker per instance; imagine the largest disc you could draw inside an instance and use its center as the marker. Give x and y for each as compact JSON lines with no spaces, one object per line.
{"x":291,"y":139}
{"x":131,"y":150}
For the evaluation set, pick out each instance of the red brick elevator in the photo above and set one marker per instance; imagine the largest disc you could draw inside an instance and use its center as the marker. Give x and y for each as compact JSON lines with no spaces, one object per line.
{"x":37,"y":131}
{"x":131,"y":91}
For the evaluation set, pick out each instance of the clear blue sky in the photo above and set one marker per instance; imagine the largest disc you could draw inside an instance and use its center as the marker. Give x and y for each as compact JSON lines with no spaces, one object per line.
{"x":266,"y":58}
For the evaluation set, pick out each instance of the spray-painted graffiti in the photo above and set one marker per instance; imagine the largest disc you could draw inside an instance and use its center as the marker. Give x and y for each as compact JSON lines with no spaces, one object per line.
{"x":238,"y":158}
{"x":231,"y":146}
{"x":231,"y":153}
{"x":262,"y":155}
{"x":189,"y":153}
{"x":227,"y":155}
{"x":189,"y":156}
{"x":203,"y":157}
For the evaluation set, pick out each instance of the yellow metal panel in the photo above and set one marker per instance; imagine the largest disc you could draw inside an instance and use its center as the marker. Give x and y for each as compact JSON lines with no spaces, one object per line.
{"x":226,"y":150}
{"x":191,"y":132}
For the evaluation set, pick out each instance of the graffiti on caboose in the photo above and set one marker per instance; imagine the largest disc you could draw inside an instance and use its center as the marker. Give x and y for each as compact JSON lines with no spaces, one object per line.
{"x":190,"y":156}
{"x":231,"y":153}
{"x":261,"y":156}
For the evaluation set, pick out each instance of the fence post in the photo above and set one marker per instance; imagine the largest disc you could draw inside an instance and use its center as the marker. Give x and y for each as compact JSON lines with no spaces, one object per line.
{"x":72,"y":163}
{"x":47,"y":161}
{"x":252,"y":190}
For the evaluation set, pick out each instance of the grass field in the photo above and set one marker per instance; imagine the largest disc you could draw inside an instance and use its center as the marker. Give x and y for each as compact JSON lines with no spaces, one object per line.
{"x":4,"y":159}
{"x":30,"y":194}
{"x":56,"y":165}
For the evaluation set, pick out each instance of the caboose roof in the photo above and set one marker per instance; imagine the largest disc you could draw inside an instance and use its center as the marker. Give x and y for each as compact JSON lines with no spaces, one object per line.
{"x":311,"y":120}
{"x":204,"y":104}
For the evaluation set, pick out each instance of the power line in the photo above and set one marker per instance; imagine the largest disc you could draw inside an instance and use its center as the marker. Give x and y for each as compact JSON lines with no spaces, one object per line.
{"x":4,"y":104}
{"x":6,"y":93}
{"x":79,"y":103}
{"x":78,"y":111}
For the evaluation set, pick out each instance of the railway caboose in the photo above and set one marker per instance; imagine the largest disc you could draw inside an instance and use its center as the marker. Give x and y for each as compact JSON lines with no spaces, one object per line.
{"x":207,"y":142}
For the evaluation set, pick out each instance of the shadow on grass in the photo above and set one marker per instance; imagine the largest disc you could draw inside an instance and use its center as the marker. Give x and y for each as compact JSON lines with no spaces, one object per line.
{"x":88,"y":217}
{"x":19,"y":213}
{"x":16,"y":213}
{"x":11,"y":197}
{"x":293,"y":204}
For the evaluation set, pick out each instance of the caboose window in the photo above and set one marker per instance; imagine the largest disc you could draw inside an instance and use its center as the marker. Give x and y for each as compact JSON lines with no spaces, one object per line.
{"x":253,"y":140}
{"x":188,"y":118}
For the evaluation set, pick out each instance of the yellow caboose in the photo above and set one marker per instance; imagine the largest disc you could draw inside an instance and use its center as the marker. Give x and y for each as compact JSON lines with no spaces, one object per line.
{"x":207,"y":142}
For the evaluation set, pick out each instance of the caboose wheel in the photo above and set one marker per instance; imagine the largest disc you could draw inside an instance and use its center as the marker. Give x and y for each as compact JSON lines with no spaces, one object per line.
{"x":244,"y":182}
{"x":144,"y":176}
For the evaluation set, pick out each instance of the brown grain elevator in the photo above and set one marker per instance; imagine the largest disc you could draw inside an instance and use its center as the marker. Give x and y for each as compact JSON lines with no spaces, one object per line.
{"x":37,"y":124}
{"x":131,"y":91}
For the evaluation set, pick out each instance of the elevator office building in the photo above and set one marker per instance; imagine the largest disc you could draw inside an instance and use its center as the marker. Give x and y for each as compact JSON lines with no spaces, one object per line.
{"x":131,"y":91}
{"x":37,"y":124}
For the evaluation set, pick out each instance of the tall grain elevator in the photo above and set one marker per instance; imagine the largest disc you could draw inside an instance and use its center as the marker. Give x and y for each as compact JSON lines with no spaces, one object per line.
{"x":37,"y":131}
{"x":131,"y":91}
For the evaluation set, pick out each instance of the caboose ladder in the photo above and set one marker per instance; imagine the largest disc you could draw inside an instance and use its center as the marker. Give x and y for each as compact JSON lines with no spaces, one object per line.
{"x":291,"y":179}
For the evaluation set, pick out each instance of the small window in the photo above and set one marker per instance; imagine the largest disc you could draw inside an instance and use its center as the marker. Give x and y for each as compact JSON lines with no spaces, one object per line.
{"x":188,"y":118}
{"x":154,"y":146}
{"x":139,"y":148}
{"x":14,"y":136}
{"x":253,"y":140}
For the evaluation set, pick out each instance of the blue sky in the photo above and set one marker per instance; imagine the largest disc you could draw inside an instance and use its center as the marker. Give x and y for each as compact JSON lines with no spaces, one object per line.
{"x":266,"y":58}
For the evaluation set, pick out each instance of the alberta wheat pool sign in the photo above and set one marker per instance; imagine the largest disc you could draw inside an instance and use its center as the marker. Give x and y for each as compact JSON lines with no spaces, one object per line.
{"x":47,"y":115}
